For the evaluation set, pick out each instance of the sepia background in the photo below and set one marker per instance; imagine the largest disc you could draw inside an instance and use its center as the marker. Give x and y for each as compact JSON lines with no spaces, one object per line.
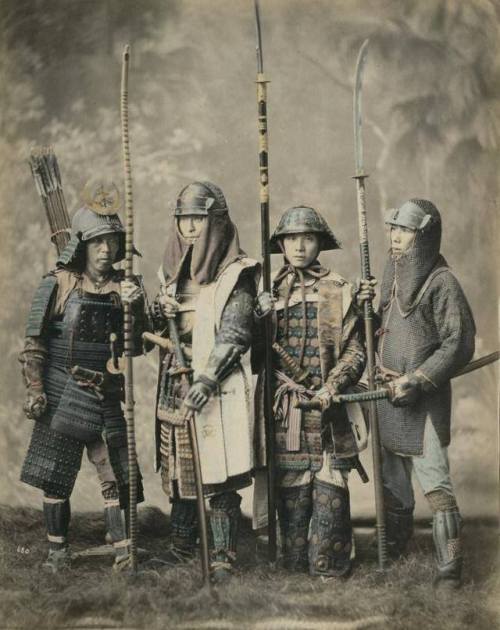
{"x":432,"y":129}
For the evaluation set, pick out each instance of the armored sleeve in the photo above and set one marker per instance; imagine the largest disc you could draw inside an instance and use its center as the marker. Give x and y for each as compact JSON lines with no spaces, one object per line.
{"x":351,"y":362}
{"x":41,"y":305}
{"x":158,"y":320}
{"x":234,"y":336}
{"x":456,"y":331}
{"x":141,"y":317}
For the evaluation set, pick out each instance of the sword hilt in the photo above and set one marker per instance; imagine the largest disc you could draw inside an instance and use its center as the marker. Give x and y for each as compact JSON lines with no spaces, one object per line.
{"x":299,"y":373}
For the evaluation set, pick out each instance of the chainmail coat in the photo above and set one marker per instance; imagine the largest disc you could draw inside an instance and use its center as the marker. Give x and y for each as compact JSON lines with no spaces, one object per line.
{"x":426,"y":326}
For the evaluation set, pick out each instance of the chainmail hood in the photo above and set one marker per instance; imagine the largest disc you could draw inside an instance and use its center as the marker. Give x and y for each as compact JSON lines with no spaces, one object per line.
{"x":406,"y":273}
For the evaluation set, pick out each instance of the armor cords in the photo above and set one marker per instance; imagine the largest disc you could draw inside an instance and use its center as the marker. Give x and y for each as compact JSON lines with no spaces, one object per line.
{"x":75,"y":416}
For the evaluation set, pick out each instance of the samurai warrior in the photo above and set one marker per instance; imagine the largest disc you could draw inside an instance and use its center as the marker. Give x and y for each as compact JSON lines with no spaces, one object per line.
{"x":318,"y":351}
{"x":208,"y":286}
{"x":426,"y":335}
{"x":74,"y":334}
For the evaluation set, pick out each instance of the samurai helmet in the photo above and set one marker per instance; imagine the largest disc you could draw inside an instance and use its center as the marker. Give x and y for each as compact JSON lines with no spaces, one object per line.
{"x":198,"y":198}
{"x":415,"y":214}
{"x":302,"y":219}
{"x":96,"y":218}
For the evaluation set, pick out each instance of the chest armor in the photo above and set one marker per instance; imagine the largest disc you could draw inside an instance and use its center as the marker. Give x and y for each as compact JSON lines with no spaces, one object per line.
{"x":292,"y":342}
{"x":81,"y":336}
{"x":187,"y":296}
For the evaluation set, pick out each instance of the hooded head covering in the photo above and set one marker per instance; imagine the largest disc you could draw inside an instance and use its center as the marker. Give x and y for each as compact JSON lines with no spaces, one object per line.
{"x":216,"y":247}
{"x":406,"y":273}
{"x":97,"y":217}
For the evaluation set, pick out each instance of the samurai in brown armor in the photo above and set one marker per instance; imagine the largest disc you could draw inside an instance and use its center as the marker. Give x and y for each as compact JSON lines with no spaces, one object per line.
{"x":208,"y":286}
{"x":73,"y":399}
{"x":318,"y":351}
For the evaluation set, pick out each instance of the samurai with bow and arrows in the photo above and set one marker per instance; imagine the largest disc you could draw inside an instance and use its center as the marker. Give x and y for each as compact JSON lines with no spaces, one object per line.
{"x":74,"y":336}
{"x":204,"y":312}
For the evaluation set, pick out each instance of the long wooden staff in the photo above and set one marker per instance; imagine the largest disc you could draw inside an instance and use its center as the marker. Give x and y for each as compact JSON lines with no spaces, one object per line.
{"x":128,"y":343}
{"x":266,"y":272}
{"x":360,"y":177}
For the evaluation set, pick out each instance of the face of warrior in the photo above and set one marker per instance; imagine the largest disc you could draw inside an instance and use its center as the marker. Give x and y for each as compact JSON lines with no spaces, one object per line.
{"x":191,"y":226}
{"x":402,"y":239}
{"x":101,"y":253}
{"x":301,"y":249}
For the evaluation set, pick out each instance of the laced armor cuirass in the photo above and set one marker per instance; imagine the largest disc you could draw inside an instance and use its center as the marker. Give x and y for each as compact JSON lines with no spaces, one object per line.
{"x":81,"y":337}
{"x":291,"y":342}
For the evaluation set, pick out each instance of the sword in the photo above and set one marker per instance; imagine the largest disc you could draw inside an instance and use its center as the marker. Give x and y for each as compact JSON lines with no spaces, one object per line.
{"x":298,"y":373}
{"x":386,"y":391}
{"x":183,"y":371}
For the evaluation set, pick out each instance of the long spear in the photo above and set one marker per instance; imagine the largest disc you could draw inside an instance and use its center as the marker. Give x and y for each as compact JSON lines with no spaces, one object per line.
{"x":266,"y":272}
{"x":360,"y":177}
{"x":127,"y":314}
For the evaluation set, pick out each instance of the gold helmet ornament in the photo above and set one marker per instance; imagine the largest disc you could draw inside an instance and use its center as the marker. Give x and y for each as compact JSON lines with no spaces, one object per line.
{"x":101,"y":196}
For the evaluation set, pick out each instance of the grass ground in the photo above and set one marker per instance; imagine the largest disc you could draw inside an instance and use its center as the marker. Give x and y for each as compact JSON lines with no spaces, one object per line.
{"x":91,"y":596}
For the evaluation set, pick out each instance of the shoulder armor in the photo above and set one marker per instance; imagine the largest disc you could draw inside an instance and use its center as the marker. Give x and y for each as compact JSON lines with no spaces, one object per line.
{"x":40,"y":305}
{"x":335,"y":278}
{"x":69,"y":253}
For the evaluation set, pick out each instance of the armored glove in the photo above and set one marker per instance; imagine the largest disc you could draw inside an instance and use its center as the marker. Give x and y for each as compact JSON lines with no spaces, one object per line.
{"x":36,"y":401}
{"x":169,"y":305}
{"x":326,"y":396}
{"x":33,"y":359}
{"x":198,"y":394}
{"x":264,"y":304}
{"x":405,"y":390}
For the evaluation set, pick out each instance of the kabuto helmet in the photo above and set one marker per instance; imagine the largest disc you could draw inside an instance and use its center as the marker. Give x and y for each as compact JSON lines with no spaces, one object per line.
{"x":302,"y":219}
{"x":97,"y":217}
{"x":198,"y":198}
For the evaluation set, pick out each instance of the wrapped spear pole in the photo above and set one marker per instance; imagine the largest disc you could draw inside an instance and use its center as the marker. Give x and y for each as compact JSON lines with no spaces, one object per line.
{"x":266,"y":273}
{"x":47,"y":176}
{"x":127,"y":314}
{"x":360,"y":177}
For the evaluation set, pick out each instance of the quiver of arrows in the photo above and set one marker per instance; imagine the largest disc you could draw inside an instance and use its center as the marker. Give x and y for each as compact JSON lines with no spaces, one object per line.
{"x":45,"y":171}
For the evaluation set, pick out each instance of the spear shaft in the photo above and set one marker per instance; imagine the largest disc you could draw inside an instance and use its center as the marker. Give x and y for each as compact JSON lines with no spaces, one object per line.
{"x":266,"y":273}
{"x":360,"y":177}
{"x":127,"y":314}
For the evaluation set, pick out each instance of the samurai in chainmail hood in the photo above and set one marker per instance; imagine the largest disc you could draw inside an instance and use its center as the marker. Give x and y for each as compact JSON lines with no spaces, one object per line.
{"x":208,"y":287}
{"x":318,"y":351}
{"x":426,"y":335}
{"x":407,"y":271}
